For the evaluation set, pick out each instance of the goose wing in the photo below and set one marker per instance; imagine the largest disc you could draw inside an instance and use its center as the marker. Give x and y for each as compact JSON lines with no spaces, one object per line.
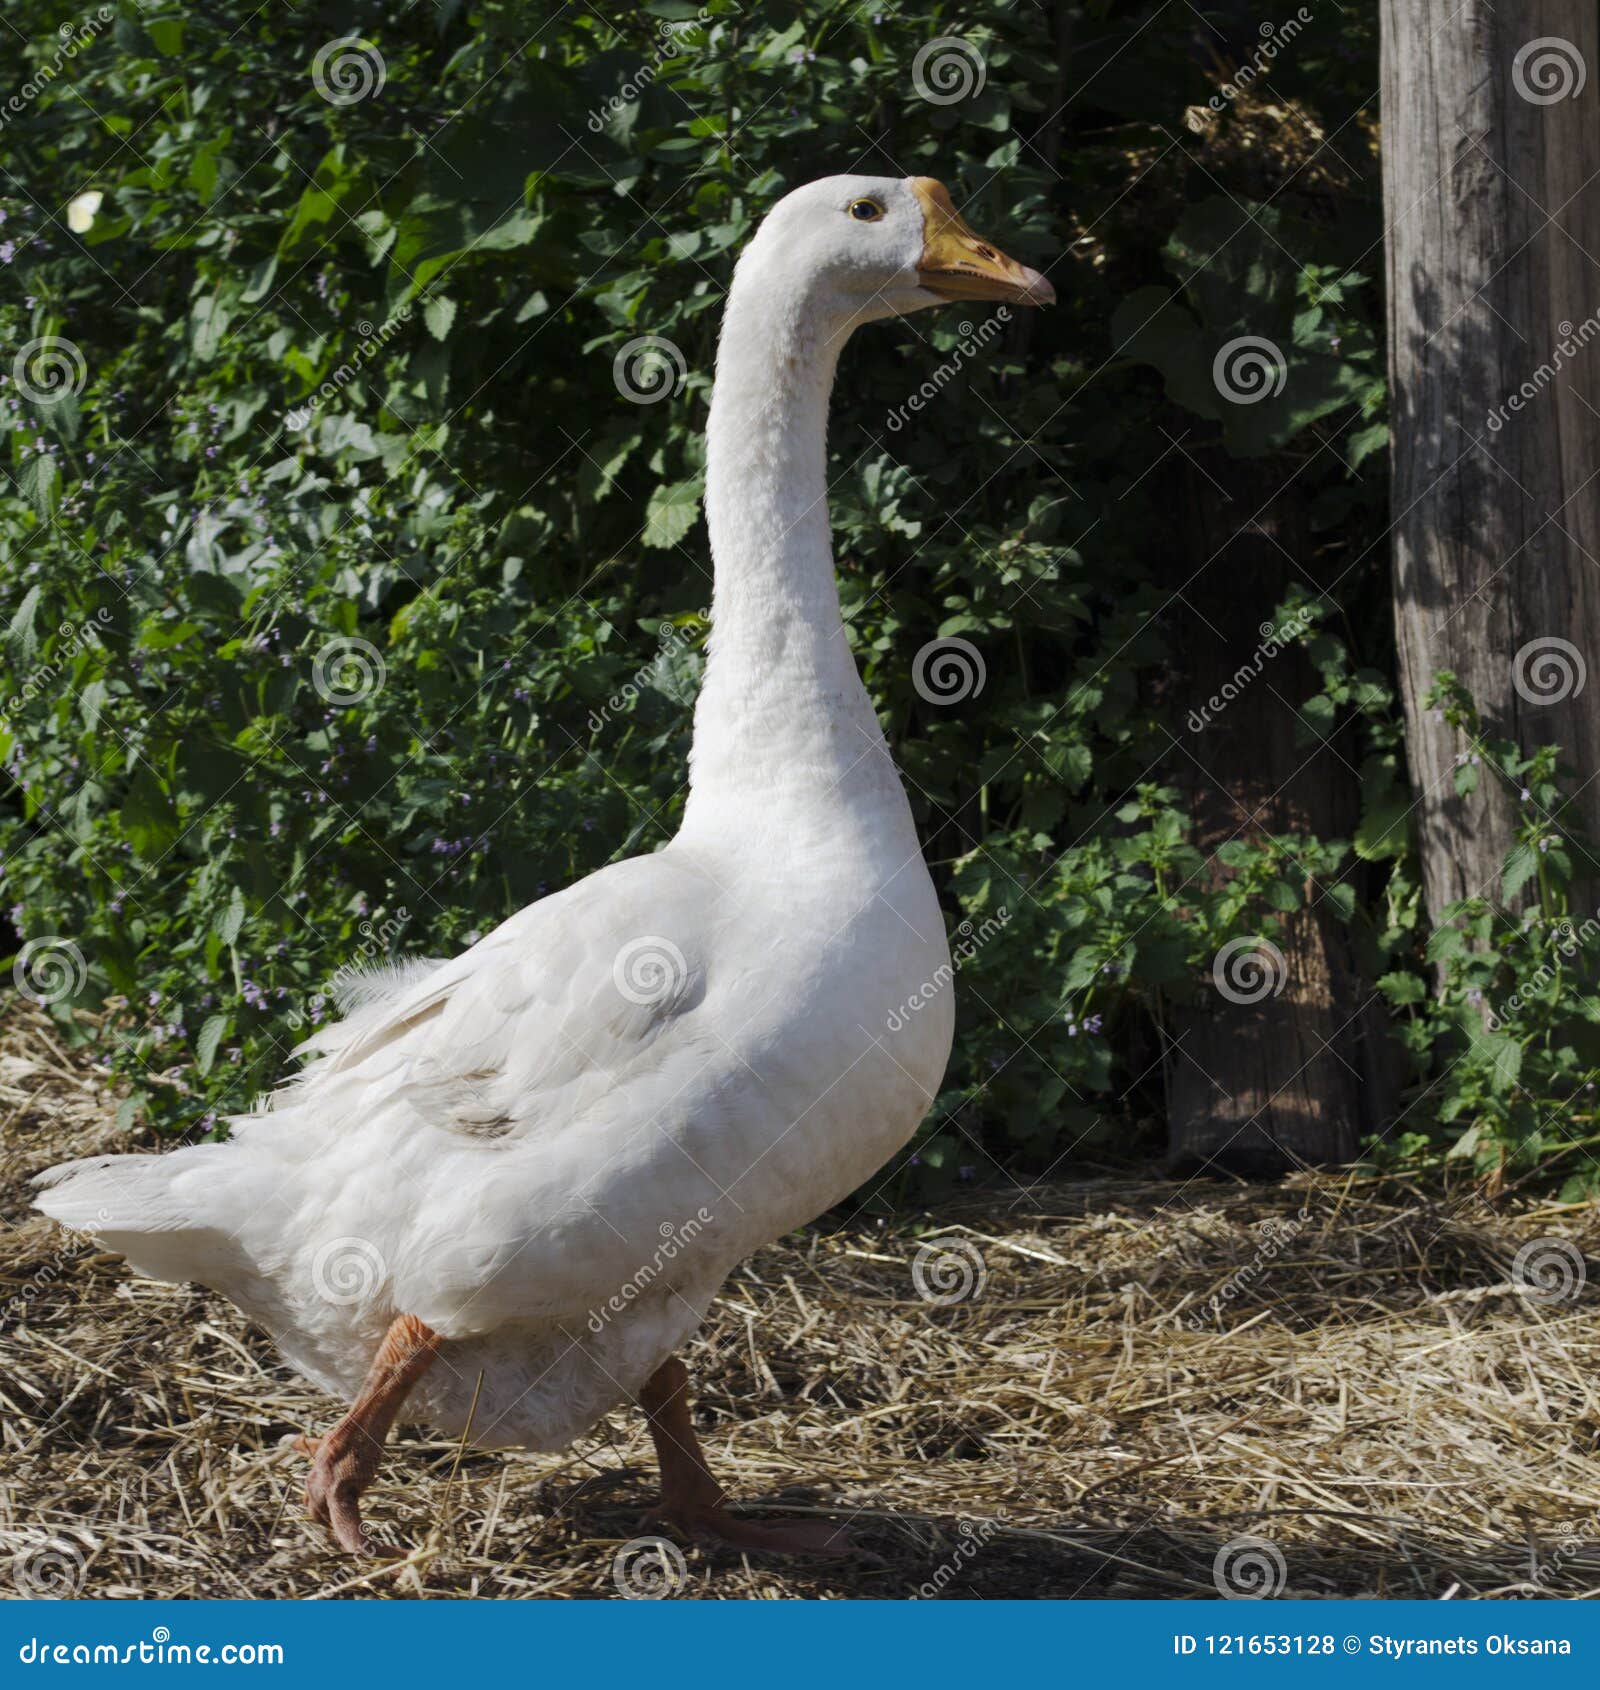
{"x":545,"y":1014}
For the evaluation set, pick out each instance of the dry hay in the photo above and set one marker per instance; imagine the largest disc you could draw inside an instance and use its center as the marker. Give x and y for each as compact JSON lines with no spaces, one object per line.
{"x":1371,"y":1394}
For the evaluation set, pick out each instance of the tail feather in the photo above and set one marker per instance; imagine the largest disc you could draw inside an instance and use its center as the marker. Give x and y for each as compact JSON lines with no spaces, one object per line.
{"x":136,"y":1207}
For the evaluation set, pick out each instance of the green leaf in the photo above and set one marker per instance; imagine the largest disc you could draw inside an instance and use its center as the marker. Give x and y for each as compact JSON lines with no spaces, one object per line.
{"x":231,"y":919}
{"x":39,"y":481}
{"x":1505,"y":1056}
{"x":21,"y":633}
{"x":1366,"y":441}
{"x":1521,"y":865}
{"x":440,"y":315}
{"x":671,"y":512}
{"x":1341,"y":898}
{"x":205,"y":1049}
{"x":1385,"y":826}
{"x":167,"y":33}
{"x":211,"y":318}
{"x":1402,"y":989}
{"x":1446,"y":944}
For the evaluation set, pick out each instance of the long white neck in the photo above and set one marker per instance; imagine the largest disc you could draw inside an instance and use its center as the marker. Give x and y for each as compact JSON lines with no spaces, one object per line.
{"x":784,"y":731}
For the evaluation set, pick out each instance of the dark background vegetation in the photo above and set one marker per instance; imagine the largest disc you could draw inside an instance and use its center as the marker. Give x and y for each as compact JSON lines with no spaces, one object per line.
{"x":511,"y":533}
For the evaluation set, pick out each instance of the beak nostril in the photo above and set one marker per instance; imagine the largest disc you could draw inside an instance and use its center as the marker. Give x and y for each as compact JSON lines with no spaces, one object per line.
{"x":957,"y":264}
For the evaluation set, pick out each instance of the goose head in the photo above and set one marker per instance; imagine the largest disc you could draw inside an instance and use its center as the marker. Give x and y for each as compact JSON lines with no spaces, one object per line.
{"x":859,"y":248}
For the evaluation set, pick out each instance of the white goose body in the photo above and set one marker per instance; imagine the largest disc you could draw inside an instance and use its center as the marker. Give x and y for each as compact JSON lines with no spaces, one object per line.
{"x":553,"y":1148}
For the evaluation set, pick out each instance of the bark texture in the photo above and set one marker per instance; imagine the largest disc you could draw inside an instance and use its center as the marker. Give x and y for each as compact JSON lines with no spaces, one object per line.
{"x":1491,"y":155}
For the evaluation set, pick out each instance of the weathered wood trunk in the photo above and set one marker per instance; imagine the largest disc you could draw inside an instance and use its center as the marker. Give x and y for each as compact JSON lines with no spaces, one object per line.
{"x":1282,"y":1062}
{"x":1491,"y":167}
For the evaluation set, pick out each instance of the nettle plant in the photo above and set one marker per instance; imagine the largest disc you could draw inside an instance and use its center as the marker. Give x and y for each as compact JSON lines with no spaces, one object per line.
{"x":1507,"y":1034}
{"x":356,"y":582}
{"x":1103,"y":938}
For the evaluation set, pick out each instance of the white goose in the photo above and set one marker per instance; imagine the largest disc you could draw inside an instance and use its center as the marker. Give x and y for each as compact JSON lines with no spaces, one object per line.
{"x":521,"y":1176}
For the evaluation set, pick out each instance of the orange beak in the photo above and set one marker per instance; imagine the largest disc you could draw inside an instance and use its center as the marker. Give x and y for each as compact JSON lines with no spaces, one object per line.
{"x":955,"y":264}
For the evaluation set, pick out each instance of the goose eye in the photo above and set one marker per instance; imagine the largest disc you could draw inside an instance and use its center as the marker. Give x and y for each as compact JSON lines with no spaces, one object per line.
{"x":866,"y":211}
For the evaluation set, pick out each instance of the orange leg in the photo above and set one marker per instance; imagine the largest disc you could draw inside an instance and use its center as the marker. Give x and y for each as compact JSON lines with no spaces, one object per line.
{"x":693,"y":1501}
{"x":345,"y":1460}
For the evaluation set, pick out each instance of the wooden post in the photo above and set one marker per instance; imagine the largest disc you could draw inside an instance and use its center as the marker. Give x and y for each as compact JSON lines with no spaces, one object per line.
{"x":1491,"y":171}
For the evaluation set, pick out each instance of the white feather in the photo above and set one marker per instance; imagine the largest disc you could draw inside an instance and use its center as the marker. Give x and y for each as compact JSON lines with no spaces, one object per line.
{"x":553,"y":1147}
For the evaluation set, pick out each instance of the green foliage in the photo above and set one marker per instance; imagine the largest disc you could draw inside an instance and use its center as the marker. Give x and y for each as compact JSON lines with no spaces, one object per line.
{"x":1290,"y":337}
{"x":356,"y":589}
{"x":1509,"y":1043}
